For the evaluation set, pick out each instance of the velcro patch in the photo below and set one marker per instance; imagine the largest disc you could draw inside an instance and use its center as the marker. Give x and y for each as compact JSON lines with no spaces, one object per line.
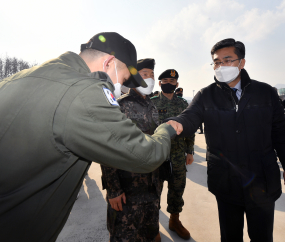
{"x":110,"y":97}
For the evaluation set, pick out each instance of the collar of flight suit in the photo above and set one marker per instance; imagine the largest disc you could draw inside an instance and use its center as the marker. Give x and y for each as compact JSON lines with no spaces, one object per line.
{"x":78,"y":64}
{"x":75,"y":62}
{"x":102,"y":76}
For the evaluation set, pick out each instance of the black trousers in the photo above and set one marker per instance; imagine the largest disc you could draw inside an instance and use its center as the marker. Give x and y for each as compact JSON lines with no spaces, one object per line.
{"x":259,"y":222}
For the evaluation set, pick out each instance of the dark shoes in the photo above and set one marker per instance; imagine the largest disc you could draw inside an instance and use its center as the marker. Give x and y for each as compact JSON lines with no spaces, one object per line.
{"x":158,"y":238}
{"x":176,"y":225}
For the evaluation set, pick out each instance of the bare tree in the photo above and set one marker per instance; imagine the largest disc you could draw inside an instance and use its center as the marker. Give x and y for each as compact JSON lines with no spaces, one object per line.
{"x":1,"y":69}
{"x":9,"y":66}
{"x":14,"y":65}
{"x":23,"y":65}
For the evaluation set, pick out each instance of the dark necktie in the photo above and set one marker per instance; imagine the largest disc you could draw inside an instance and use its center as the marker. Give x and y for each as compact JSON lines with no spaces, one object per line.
{"x":237,"y":94}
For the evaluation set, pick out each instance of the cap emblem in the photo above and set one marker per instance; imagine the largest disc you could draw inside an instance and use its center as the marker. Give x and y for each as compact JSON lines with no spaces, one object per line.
{"x":102,"y":38}
{"x":172,"y":73}
{"x":132,"y":70}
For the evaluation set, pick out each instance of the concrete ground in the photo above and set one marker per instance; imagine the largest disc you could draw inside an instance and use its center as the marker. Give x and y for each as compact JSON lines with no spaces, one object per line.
{"x":87,"y":221}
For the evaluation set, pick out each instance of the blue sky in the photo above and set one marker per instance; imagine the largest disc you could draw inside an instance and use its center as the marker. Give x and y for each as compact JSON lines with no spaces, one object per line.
{"x":177,"y":34}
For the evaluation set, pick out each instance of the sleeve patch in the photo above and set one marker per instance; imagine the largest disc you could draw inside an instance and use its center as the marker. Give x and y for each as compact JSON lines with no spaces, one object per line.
{"x":110,"y":97}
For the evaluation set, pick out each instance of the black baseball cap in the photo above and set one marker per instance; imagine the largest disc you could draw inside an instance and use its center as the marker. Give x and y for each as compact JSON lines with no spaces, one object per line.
{"x":114,"y":44}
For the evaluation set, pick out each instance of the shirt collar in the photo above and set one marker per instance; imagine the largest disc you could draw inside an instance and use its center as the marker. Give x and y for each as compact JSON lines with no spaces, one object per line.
{"x":165,"y":98}
{"x":238,"y":86}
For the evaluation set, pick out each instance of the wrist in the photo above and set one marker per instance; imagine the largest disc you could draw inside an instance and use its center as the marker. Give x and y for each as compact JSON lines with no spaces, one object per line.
{"x":114,"y":194}
{"x":190,"y":152}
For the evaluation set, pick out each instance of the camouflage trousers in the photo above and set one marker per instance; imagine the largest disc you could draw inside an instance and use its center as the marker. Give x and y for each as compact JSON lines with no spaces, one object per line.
{"x":176,"y":185}
{"x":136,"y":223}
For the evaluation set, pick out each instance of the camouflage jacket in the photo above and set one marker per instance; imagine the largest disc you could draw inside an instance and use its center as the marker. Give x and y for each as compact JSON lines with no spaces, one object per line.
{"x":138,"y":187}
{"x":170,"y":108}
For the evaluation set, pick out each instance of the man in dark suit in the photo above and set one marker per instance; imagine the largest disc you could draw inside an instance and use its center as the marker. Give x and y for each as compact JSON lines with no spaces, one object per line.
{"x":245,"y":132}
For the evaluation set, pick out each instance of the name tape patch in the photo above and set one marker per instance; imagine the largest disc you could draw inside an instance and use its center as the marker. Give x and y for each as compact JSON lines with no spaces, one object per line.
{"x":110,"y":97}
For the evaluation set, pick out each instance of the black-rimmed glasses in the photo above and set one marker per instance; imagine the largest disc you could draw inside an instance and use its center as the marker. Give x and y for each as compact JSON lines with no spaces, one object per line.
{"x":217,"y":64}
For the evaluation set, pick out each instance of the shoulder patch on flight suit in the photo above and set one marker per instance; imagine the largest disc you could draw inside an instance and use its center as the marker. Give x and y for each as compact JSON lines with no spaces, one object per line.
{"x":110,"y":97}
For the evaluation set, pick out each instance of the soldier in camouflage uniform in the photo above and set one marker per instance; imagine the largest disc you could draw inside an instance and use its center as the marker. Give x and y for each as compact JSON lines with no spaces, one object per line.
{"x":179,"y":92}
{"x":137,"y":217}
{"x":170,"y":105}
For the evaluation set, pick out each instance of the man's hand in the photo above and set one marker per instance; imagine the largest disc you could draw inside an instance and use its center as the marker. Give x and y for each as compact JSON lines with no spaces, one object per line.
{"x":116,"y":203}
{"x":189,"y":159}
{"x":177,"y":126}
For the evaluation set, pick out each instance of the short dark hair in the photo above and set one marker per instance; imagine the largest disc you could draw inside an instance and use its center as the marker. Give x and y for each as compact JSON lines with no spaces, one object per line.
{"x":93,"y":54}
{"x":239,"y":47}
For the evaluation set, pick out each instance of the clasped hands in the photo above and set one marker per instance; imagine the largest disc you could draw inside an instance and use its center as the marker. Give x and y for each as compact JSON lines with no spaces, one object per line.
{"x":177,"y":126}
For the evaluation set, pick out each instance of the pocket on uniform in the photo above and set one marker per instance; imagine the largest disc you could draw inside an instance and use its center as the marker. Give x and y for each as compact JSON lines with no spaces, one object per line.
{"x":218,"y":174}
{"x":272,"y":173}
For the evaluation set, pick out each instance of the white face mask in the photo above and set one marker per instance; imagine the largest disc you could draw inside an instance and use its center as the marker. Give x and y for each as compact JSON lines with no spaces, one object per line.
{"x":227,"y":73}
{"x":146,"y":90}
{"x":117,"y":90}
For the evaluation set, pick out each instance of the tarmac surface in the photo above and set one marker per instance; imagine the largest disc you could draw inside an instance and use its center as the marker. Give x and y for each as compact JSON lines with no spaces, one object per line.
{"x":87,"y":221}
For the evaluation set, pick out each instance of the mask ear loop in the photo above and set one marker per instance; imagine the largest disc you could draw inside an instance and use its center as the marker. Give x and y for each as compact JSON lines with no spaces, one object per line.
{"x":238,"y":66}
{"x":104,"y":64}
{"x":239,"y":62}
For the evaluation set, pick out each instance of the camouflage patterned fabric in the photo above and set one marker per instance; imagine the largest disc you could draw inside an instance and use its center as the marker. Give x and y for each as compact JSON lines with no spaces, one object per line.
{"x":179,"y":146}
{"x":136,"y":223}
{"x":139,"y":219}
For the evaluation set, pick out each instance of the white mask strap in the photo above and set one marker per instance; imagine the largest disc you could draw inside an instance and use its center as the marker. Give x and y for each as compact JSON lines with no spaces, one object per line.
{"x":239,"y":63}
{"x":116,"y":71}
{"x":104,"y":64}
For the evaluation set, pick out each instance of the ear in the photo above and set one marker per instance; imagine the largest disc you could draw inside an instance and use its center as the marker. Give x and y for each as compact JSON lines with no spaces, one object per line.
{"x":159,"y":83}
{"x":242,"y":63}
{"x":177,"y":85}
{"x":106,"y":63}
